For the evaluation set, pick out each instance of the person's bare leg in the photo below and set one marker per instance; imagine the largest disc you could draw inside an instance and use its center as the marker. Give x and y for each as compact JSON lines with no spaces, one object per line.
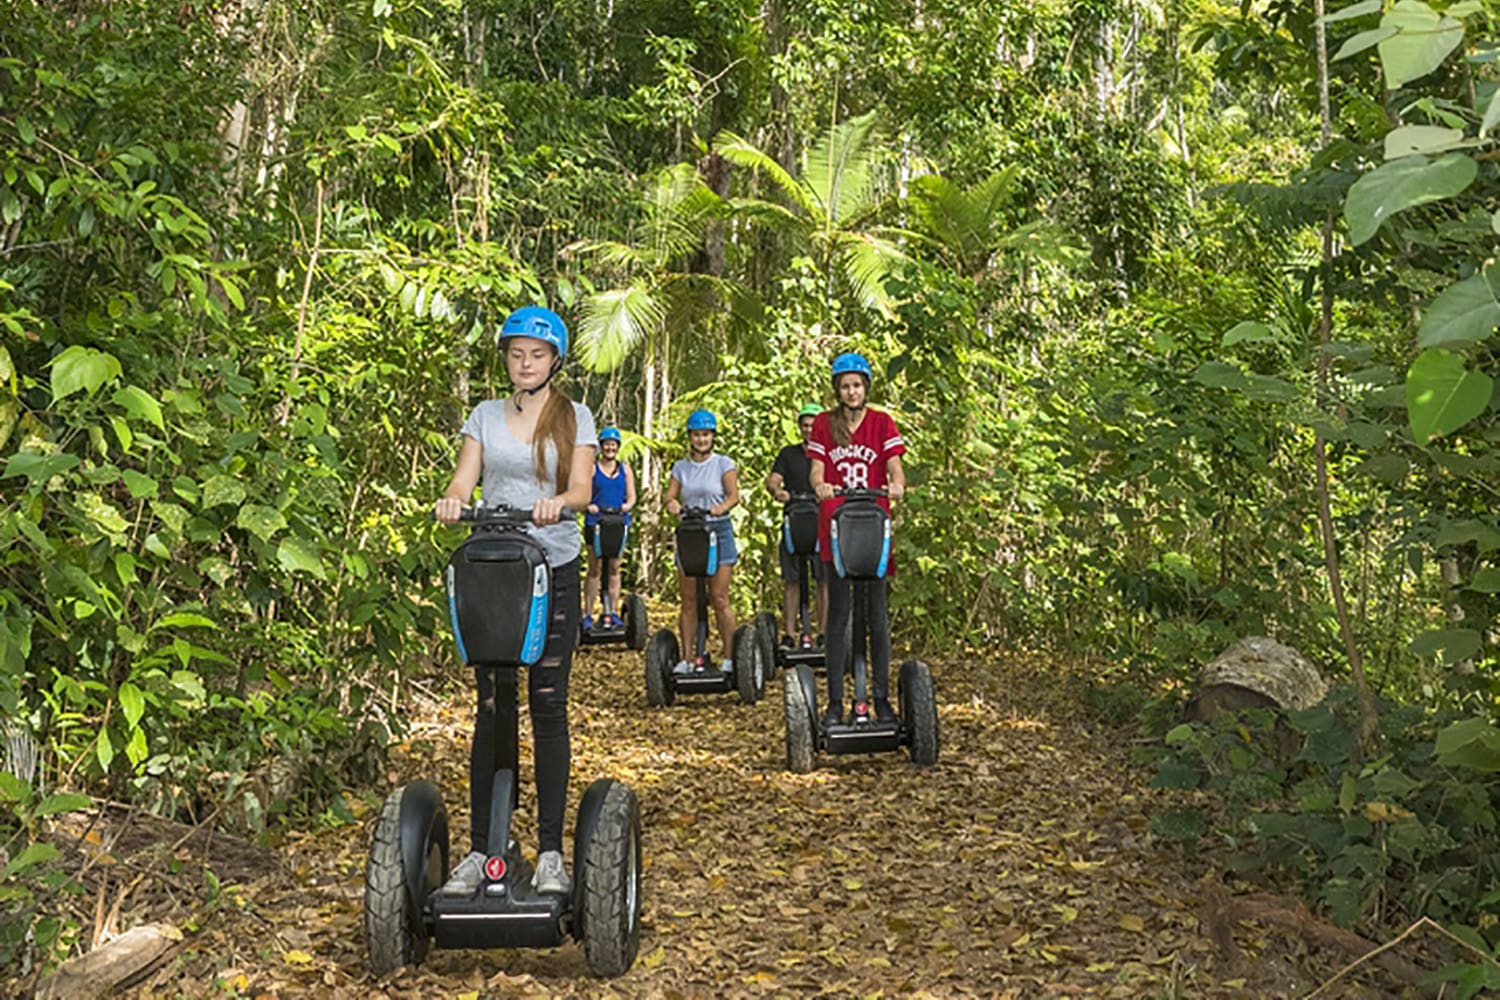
{"x":718,"y":595}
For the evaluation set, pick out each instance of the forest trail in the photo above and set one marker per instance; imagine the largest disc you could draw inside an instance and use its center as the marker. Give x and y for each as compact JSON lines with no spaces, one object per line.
{"x":1019,"y":866}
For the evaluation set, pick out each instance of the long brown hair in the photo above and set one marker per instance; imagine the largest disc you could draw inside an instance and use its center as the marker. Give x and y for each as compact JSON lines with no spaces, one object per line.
{"x":559,"y":424}
{"x":838,"y":424}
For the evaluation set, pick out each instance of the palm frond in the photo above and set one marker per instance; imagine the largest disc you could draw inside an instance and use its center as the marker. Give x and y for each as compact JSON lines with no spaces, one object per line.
{"x":840,"y":167}
{"x":1044,"y":240}
{"x":610,"y":252}
{"x":741,"y":153}
{"x":867,"y":262}
{"x":767,"y":212}
{"x":613,"y":323}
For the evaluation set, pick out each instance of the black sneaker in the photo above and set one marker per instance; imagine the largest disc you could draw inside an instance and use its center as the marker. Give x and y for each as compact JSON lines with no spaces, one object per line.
{"x":832,"y":717}
{"x":786,"y":641}
{"x":883,"y":710}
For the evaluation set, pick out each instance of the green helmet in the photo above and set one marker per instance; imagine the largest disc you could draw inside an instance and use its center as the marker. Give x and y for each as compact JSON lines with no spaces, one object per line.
{"x":809,"y":410}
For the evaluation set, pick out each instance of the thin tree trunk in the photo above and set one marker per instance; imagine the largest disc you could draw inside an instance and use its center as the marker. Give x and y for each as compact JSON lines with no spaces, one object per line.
{"x":1369,"y":721}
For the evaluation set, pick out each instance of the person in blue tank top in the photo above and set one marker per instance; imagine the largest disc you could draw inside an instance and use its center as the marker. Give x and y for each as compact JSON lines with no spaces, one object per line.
{"x":614,"y":489}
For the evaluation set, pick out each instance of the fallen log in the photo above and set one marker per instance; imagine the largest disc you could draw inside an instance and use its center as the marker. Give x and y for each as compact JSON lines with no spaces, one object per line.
{"x":111,"y":965}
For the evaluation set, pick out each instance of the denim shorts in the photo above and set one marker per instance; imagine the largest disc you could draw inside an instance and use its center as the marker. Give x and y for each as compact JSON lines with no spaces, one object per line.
{"x":728,"y":554}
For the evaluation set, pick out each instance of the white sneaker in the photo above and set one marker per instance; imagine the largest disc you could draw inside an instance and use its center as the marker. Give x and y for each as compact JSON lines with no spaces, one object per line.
{"x":683,"y":667}
{"x":727,"y":666}
{"x":551,"y":876}
{"x":467,"y":877}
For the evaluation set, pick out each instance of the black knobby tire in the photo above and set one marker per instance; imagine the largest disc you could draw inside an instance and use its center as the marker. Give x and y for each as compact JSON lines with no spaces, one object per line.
{"x":661,"y":656}
{"x":799,"y":737}
{"x":765,"y":627}
{"x":919,"y":711}
{"x":636,"y":624}
{"x":393,"y":937}
{"x":611,"y":882}
{"x":749,"y":670}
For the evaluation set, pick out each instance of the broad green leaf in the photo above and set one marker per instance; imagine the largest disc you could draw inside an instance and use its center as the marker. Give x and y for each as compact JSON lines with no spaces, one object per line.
{"x":1354,"y":10}
{"x":1442,"y":395}
{"x":1423,"y":40}
{"x":1491,"y":113}
{"x":1461,"y":531}
{"x":139,"y":403}
{"x":1486,"y":581}
{"x":222,"y":489}
{"x":1219,"y":375}
{"x":136,"y":749}
{"x":62,"y":802}
{"x":1454,"y":643}
{"x":260,"y":520}
{"x":1248,"y":332}
{"x":1413,"y":140}
{"x":1361,"y":41}
{"x":140,"y":486}
{"x":33,"y":854}
{"x":82,"y":368}
{"x":132,"y":703}
{"x":104,"y":750}
{"x":1473,"y":744}
{"x":295,"y":554}
{"x":38,"y":468}
{"x":103,"y":513}
{"x":1269,"y":388}
{"x":1465,"y":312}
{"x":1402,"y":184}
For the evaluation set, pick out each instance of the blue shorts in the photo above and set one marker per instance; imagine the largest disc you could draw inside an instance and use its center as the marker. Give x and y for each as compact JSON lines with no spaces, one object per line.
{"x":728,"y":554}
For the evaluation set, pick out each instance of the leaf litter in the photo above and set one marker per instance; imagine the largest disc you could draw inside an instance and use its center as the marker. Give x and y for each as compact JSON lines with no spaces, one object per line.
{"x":1019,"y":866}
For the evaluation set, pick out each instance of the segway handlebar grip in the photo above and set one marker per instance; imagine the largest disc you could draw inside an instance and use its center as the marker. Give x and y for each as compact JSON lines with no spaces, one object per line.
{"x":502,"y":515}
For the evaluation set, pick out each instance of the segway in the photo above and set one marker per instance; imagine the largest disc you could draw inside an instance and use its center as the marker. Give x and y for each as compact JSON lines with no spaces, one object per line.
{"x":498,"y":584}
{"x":610,"y":534}
{"x":799,"y":538}
{"x":698,"y":557}
{"x":861,"y":538}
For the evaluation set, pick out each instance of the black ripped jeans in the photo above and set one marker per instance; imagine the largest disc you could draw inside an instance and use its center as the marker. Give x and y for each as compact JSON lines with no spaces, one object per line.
{"x":495,"y":727}
{"x":841,"y":594}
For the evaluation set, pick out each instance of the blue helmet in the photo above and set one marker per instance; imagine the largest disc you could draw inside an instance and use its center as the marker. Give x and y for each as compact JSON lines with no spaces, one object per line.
{"x":702,"y":420}
{"x":540,"y":323}
{"x":609,"y":434}
{"x":845,"y":363}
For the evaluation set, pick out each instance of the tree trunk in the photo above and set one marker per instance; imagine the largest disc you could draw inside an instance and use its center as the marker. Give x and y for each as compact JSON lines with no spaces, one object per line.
{"x":1369,"y":721}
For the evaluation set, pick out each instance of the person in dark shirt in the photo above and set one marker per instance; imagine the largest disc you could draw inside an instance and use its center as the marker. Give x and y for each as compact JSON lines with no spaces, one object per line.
{"x":791,"y":473}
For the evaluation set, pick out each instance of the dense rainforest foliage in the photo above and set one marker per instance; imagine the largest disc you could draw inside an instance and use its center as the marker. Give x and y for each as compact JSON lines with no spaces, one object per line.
{"x":1183,"y":352}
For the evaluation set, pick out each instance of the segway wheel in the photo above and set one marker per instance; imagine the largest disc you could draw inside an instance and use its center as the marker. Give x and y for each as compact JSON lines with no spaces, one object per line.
{"x":609,"y":890}
{"x":394,"y":932}
{"x":765,"y":627}
{"x":661,"y":657}
{"x":749,"y":669}
{"x":635,"y":622}
{"x":919,"y":711}
{"x":799,"y":722}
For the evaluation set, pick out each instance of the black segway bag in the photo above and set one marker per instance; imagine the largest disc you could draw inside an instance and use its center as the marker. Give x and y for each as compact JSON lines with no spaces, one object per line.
{"x":861,"y":539}
{"x":697,"y":548}
{"x":799,"y":527}
{"x":499,"y":596}
{"x":610,"y":534}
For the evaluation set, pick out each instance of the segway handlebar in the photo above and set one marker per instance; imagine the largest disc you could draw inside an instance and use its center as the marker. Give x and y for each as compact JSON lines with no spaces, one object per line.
{"x":502,"y":515}
{"x":860,"y":494}
{"x":693,"y":513}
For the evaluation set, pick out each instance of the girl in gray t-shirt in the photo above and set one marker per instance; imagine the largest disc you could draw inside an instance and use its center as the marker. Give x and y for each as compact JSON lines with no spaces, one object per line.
{"x":709,"y":480}
{"x":534,"y":450}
